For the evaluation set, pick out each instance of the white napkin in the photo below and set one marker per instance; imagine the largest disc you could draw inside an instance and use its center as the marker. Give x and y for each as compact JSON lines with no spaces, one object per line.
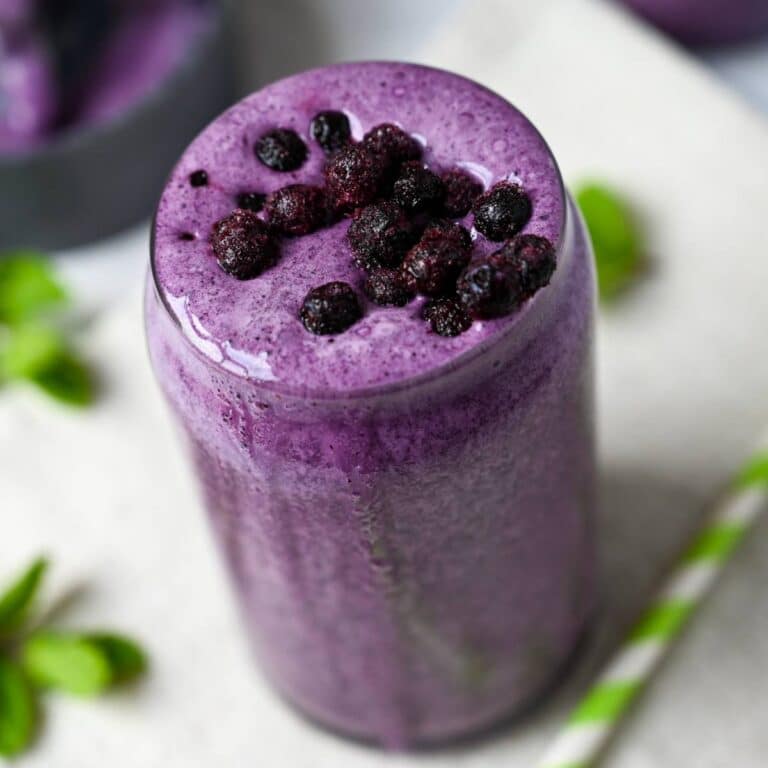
{"x":683,"y":380}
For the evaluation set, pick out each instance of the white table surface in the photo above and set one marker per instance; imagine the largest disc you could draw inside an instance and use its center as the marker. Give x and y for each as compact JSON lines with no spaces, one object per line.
{"x":683,"y":390}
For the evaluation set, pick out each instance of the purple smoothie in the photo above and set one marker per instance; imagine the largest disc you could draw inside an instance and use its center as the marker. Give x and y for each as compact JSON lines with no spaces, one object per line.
{"x":706,"y":22}
{"x":113,"y":65}
{"x":406,"y":517}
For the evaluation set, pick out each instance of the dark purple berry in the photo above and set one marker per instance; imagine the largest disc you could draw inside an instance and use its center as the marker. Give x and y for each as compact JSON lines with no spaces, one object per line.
{"x":535,"y":260}
{"x":330,"y":308}
{"x":435,"y":262}
{"x":380,"y":235}
{"x":441,"y":229}
{"x":388,"y":288}
{"x":297,"y":209}
{"x":251,"y":201}
{"x":490,"y":289}
{"x":353,"y":177}
{"x":392,"y":143}
{"x":331,"y":130}
{"x":502,"y":211}
{"x":416,"y":188}
{"x":198,"y":179}
{"x":446,"y":316}
{"x":281,"y":149}
{"x":187,"y":237}
{"x":461,"y":191}
{"x":243,"y":245}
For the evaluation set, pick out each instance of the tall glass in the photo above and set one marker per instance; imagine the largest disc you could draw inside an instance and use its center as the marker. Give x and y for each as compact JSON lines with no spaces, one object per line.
{"x":414,"y":561}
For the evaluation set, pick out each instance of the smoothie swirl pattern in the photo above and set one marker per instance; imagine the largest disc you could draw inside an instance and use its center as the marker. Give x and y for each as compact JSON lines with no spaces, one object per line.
{"x":252,"y":327}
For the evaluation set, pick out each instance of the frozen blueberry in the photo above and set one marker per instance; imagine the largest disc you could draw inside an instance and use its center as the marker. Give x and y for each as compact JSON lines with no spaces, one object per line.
{"x":490,"y":289}
{"x":297,"y":209}
{"x":380,"y":235}
{"x":449,"y":229}
{"x":198,"y":179}
{"x":446,"y":316}
{"x":502,"y":211}
{"x":331,"y":130}
{"x":432,"y":266}
{"x":353,"y":177}
{"x":392,"y":143}
{"x":388,"y":288}
{"x":281,"y":149}
{"x":251,"y":201}
{"x":416,"y":188}
{"x":330,"y":308}
{"x":461,"y":191}
{"x":243,"y":245}
{"x":534,"y":258}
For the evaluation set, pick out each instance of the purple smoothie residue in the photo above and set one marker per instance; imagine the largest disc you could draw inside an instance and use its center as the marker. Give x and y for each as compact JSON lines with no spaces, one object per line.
{"x":706,"y":22}
{"x":106,"y":68}
{"x":253,"y":328}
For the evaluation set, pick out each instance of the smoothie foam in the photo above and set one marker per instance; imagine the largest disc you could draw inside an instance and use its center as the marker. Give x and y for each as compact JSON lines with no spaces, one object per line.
{"x":406,"y":517}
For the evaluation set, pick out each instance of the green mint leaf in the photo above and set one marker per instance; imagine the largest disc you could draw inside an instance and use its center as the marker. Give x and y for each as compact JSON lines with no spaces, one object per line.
{"x":17,"y":710}
{"x":27,"y":287}
{"x":67,"y":662}
{"x":615,"y":237}
{"x":30,"y":349}
{"x":127,"y":660}
{"x":754,"y":473}
{"x":67,"y":379}
{"x":17,"y":600}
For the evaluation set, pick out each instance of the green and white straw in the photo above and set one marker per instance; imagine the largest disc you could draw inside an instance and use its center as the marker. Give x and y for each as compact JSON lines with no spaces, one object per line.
{"x":594,"y":721}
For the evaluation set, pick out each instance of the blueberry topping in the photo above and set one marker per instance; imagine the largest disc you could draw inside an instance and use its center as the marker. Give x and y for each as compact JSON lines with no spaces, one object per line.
{"x":281,"y":150}
{"x":353,"y":177}
{"x":433,"y":265}
{"x":251,"y":201}
{"x":502,"y":211}
{"x":243,"y":245}
{"x":490,"y":289}
{"x":449,"y":229}
{"x":198,"y":179}
{"x":392,"y":143}
{"x":187,"y":237}
{"x":535,"y":259}
{"x":331,"y":130}
{"x":380,"y":235}
{"x":387,"y":287}
{"x":297,"y":209}
{"x":461,"y":191}
{"x":330,"y":308}
{"x":417,"y":188}
{"x":446,"y":316}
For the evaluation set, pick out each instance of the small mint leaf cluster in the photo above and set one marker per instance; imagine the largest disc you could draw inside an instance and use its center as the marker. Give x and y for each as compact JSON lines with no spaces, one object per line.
{"x":616,"y":238}
{"x":32,"y":349}
{"x":35,"y":658}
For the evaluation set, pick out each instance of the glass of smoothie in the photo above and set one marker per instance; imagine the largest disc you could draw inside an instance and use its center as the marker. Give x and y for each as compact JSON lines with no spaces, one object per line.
{"x":370,"y":308}
{"x":706,"y":22}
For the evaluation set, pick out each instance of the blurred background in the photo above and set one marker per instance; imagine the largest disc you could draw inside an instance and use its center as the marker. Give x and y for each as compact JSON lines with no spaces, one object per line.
{"x":665,"y":104}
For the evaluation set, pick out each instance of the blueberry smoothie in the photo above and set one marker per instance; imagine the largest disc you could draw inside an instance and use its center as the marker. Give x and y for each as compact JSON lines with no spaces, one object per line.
{"x":73,"y":63}
{"x":706,"y":22}
{"x":370,"y":308}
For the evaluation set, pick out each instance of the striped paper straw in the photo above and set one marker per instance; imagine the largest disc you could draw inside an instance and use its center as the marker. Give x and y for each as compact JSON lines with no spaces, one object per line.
{"x":596,"y":718}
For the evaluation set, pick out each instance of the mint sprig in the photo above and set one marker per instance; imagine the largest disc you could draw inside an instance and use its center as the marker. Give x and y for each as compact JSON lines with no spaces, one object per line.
{"x":616,"y":237}
{"x":32,"y":349}
{"x":35,"y":658}
{"x":18,"y":716}
{"x":17,"y":601}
